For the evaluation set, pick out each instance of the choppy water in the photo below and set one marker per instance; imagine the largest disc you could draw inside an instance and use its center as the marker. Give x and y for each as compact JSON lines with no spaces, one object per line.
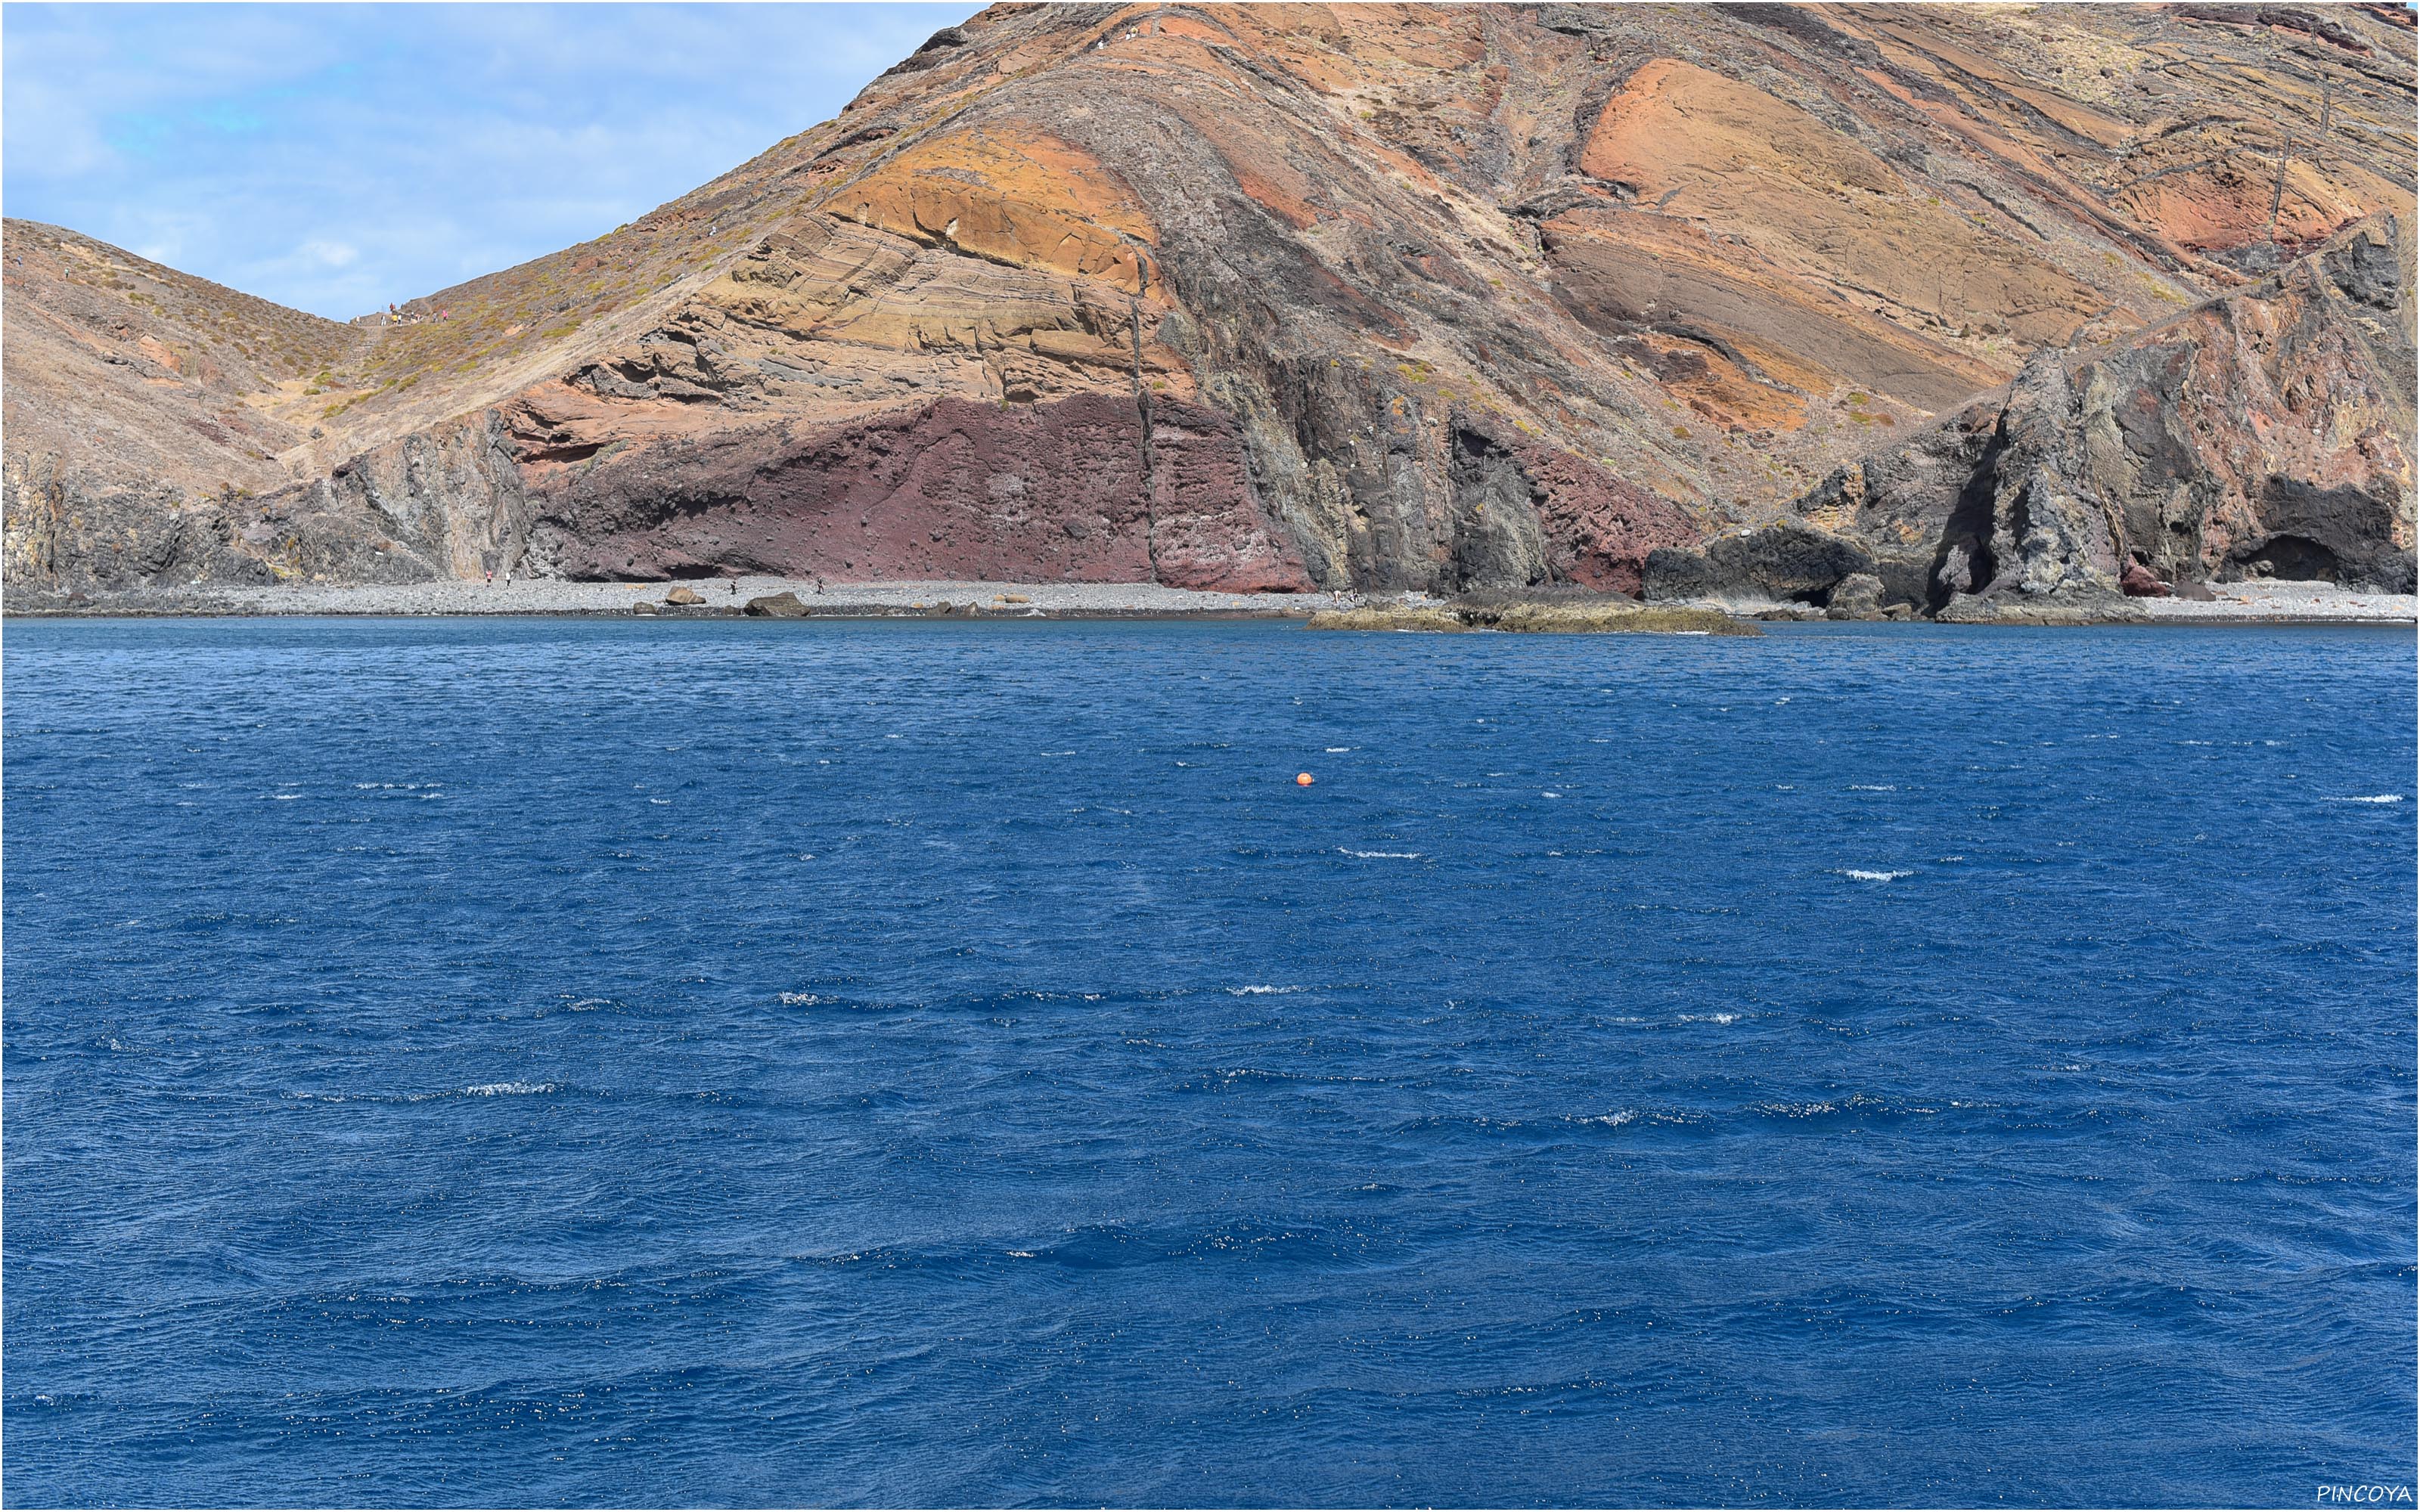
{"x":502,"y":1062}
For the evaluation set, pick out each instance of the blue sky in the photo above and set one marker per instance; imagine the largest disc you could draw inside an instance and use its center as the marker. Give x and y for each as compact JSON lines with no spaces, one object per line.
{"x":335,"y":158}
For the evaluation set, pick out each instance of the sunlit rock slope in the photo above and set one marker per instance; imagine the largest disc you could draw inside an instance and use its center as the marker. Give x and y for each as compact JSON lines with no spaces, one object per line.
{"x":1997,"y":299}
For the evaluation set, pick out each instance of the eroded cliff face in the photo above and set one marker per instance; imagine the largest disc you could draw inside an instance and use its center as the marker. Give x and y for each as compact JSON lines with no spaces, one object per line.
{"x":1386,"y":297}
{"x":2266,"y":433}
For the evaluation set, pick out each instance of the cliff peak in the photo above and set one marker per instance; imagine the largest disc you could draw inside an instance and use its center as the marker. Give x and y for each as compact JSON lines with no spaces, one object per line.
{"x":1263,"y":297}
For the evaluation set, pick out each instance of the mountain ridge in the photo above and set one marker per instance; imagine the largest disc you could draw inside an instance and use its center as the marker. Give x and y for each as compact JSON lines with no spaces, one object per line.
{"x":1296,"y":296}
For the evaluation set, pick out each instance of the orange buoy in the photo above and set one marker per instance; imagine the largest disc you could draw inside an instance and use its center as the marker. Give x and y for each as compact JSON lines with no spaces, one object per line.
{"x":1302,"y":780}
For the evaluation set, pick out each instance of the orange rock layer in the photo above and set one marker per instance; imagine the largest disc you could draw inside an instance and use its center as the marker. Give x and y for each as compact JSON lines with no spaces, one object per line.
{"x":1371,"y":295}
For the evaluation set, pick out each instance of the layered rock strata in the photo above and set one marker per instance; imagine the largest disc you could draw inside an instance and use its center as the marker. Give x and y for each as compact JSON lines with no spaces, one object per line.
{"x":1391,"y":297}
{"x":2265,"y":434}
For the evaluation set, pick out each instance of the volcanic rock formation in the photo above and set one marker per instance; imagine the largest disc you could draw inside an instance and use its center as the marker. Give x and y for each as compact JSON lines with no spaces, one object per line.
{"x":1985,"y":303}
{"x":2264,"y":433}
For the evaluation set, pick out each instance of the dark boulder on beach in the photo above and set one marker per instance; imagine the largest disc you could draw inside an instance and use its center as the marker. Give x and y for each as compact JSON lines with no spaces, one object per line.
{"x":776,"y":607}
{"x":2139,"y":581}
{"x":1786,"y":562}
{"x":1857,"y":596}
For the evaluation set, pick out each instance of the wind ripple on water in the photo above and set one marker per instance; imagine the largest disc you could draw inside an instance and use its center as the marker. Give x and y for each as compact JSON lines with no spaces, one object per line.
{"x":1863,"y":1064}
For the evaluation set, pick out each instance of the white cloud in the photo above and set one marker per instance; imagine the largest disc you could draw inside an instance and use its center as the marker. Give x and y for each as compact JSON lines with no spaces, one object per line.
{"x":336,"y":157}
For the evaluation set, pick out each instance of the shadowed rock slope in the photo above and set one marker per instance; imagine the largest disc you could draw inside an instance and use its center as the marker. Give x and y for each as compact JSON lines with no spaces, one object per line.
{"x":1324,"y":295}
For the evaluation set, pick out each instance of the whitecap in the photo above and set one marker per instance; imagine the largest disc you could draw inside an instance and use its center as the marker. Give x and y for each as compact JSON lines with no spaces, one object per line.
{"x":1869,"y":787}
{"x":1714,"y":1018}
{"x":1875,"y":876}
{"x":2375,"y":797}
{"x":1380,"y":856}
{"x":1336,"y":750}
{"x":284,"y":797}
{"x":1550,"y":795}
{"x":1255,"y":992}
{"x":1613,"y":1120}
{"x":508,"y":1088}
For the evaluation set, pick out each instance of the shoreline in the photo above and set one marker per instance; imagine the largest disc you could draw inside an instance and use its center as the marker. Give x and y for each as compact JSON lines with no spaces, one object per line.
{"x":2255,"y":603}
{"x":2285,"y":602}
{"x":723,"y":599}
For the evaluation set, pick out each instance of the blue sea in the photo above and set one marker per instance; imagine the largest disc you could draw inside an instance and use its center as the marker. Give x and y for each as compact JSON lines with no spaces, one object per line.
{"x":523,"y":1062}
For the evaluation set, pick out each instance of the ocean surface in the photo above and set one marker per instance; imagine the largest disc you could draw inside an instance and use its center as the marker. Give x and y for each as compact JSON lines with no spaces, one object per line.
{"x":544,"y":1061}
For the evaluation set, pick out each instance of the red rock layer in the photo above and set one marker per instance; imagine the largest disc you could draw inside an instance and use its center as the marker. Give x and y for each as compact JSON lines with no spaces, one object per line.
{"x":1598,"y":528}
{"x":1433,"y":297}
{"x":951,"y":489}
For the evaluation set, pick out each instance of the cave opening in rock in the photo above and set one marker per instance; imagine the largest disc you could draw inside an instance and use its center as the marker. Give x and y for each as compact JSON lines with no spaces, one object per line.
{"x":2293,"y":558}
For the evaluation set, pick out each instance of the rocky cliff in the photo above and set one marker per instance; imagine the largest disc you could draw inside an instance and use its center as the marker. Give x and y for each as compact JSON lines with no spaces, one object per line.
{"x":1975,"y":301}
{"x":2264,"y":433}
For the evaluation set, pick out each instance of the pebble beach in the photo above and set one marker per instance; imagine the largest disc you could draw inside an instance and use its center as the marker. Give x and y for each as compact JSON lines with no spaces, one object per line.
{"x":2254,"y":602}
